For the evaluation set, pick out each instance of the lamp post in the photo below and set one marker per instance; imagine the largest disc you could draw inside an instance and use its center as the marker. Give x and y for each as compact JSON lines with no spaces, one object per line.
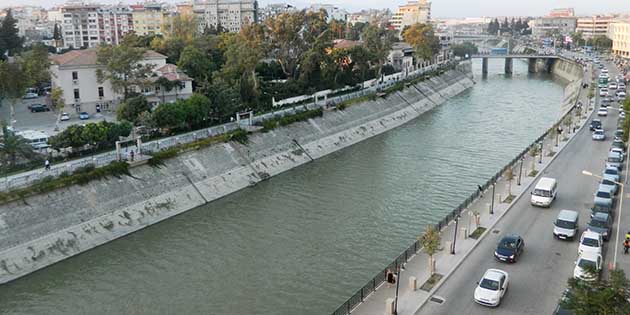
{"x":587,"y":173}
{"x":397,"y":288}
{"x":455,"y":235}
{"x":520,"y":171}
{"x":492,"y":205}
{"x":540,"y":148}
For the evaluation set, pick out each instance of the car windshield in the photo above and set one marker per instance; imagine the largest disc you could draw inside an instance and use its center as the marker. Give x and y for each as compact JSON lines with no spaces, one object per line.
{"x":614,"y":159}
{"x":591,"y":242}
{"x":565,"y":224}
{"x":599,"y":132}
{"x":542,"y":193}
{"x":598,"y":223}
{"x":611,"y":171}
{"x":603,"y":194}
{"x":608,"y":182}
{"x":508,"y":244}
{"x":583,"y":263}
{"x":489,"y":284}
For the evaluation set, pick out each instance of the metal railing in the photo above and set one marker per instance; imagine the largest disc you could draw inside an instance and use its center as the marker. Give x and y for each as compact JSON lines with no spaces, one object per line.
{"x":371,"y":286}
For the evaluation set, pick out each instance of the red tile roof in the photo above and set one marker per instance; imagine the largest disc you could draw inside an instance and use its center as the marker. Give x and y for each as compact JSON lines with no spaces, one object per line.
{"x":88,"y":57}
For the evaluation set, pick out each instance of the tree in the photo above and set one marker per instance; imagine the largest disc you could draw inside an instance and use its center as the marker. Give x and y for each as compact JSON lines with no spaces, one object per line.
{"x":509,"y":176}
{"x":224,"y":99}
{"x":35,"y":65}
{"x":286,"y":40}
{"x":58,"y":103}
{"x":467,"y":48}
{"x":611,"y":296}
{"x":430,"y":242}
{"x":533,"y":152}
{"x":378,"y":42}
{"x":197,"y":64}
{"x":13,"y":83}
{"x":14,"y":147}
{"x":423,"y":39}
{"x":131,"y":108}
{"x":198,"y":109}
{"x":577,"y":38}
{"x":57,"y":35}
{"x":10,"y":41}
{"x":169,"y":116}
{"x":122,"y":68}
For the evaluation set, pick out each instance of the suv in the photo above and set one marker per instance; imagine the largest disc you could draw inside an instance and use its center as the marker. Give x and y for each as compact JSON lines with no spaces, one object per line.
{"x":39,"y":108}
{"x":596,"y":124}
{"x":602,"y":224}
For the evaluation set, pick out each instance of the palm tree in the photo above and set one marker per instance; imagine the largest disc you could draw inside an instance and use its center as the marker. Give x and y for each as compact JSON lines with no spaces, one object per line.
{"x":430,"y":241}
{"x":509,"y":176}
{"x":533,"y":152}
{"x":13,"y":147}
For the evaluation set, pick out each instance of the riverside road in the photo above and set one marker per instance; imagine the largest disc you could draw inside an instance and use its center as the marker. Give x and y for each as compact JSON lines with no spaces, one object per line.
{"x":538,"y":279}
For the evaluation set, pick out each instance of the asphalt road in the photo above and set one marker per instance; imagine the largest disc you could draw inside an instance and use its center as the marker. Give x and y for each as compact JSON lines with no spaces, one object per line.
{"x":538,"y":279}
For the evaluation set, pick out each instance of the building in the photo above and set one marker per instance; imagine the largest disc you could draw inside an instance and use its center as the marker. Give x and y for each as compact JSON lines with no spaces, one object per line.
{"x":274,"y":9}
{"x":75,"y":74}
{"x":547,"y":26}
{"x":230,"y":15}
{"x":148,"y":18}
{"x":376,"y":17}
{"x":80,"y":27}
{"x":619,"y":32}
{"x":596,"y":25}
{"x":114,"y":23}
{"x":562,"y":12}
{"x":411,"y":13}
{"x":184,"y":8}
{"x":333,"y":12}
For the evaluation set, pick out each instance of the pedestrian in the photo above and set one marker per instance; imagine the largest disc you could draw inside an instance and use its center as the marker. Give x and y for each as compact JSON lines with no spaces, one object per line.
{"x":47,"y":165}
{"x":480,"y":191}
{"x":390,"y":278}
{"x":626,"y":246}
{"x":131,"y":155}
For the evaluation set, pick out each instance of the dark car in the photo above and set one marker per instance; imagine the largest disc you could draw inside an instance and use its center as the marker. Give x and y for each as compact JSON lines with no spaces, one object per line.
{"x":618,"y":134}
{"x":596,"y":124}
{"x":509,"y":248}
{"x":602,"y":224}
{"x":39,"y":108}
{"x":618,"y":144}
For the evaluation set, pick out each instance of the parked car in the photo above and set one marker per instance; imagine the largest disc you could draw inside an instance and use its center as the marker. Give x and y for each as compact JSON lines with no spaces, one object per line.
{"x":509,"y":248}
{"x":601,"y":208}
{"x":39,"y":108}
{"x":599,"y":135}
{"x":602,"y":224}
{"x":612,"y":174}
{"x":591,"y":242}
{"x":618,"y":134}
{"x":622,"y":115}
{"x":602,"y":111}
{"x":84,"y":116}
{"x":491,"y":288}
{"x":603,"y":196}
{"x":615,"y":160}
{"x":618,"y":144}
{"x":612,"y":85}
{"x":584,"y":261}
{"x":620,"y":151}
{"x":65,"y":116}
{"x":30,"y":95}
{"x":566,"y":224}
{"x":596,"y":124}
{"x":606,"y":184}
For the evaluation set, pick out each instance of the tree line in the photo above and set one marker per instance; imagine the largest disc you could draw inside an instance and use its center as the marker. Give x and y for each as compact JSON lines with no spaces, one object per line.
{"x":508,"y":27}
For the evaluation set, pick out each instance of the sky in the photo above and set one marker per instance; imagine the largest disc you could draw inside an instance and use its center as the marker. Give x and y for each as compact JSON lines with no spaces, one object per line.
{"x":440,"y":8}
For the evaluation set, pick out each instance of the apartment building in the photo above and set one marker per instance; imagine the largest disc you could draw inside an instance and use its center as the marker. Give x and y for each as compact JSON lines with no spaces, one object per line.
{"x":75,"y":74}
{"x":592,"y":26}
{"x":411,"y":13}
{"x":114,"y":23}
{"x":619,"y":32}
{"x":333,"y":12}
{"x":80,"y":26}
{"x":148,"y":18}
{"x":562,"y":12}
{"x":547,"y":26}
{"x":230,"y":15}
{"x":274,"y":9}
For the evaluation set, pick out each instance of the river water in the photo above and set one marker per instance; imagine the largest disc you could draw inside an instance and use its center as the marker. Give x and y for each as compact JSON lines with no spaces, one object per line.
{"x":305,"y":241}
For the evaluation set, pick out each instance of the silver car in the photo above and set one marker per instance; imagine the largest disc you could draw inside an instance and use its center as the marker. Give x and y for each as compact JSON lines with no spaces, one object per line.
{"x":608,"y":185}
{"x":603,"y":197}
{"x":599,"y":135}
{"x":611,"y":174}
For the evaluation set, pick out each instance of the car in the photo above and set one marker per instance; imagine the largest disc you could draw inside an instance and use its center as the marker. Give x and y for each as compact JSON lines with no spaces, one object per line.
{"x":614,"y":159}
{"x":598,"y":134}
{"x":510,"y":248}
{"x":611,"y":173}
{"x":604,"y":70}
{"x":612,"y":85}
{"x":603,"y":111}
{"x":603,"y":196}
{"x":618,"y":134}
{"x":39,"y":108}
{"x":84,"y":116}
{"x":601,"y":208}
{"x":603,"y":92}
{"x":591,"y":242}
{"x":621,"y":86}
{"x":30,"y":95}
{"x":585,"y":261}
{"x":562,"y":309}
{"x":602,"y":224}
{"x":621,"y":95}
{"x":608,"y":185}
{"x":620,"y":151}
{"x":618,"y":144}
{"x":596,"y":124}
{"x":622,"y":115}
{"x":491,"y":288}
{"x":65,"y":117}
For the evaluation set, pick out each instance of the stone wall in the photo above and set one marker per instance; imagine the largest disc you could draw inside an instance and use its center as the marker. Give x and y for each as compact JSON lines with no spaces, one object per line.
{"x":44,"y":229}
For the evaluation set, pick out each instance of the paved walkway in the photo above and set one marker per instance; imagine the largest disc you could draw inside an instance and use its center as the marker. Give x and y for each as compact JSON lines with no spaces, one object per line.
{"x":411,"y":300}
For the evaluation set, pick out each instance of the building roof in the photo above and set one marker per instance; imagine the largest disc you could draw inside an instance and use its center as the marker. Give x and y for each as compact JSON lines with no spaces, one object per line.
{"x":170,"y":72}
{"x":88,"y":57}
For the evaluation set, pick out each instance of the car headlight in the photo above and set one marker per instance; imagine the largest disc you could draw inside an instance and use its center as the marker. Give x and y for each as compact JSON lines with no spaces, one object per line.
{"x":605,"y":233}
{"x":512,"y":256}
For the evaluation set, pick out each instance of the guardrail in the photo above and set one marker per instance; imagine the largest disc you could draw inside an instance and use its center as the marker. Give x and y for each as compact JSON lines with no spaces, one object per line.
{"x":371,"y":286}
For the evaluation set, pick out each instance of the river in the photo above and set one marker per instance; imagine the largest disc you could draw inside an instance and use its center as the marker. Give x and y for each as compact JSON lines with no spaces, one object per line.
{"x":305,"y":241}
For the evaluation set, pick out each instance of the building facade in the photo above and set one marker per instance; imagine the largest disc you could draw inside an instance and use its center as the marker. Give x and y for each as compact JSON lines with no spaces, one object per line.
{"x":80,"y":27}
{"x":596,"y":25}
{"x":333,"y":12}
{"x":274,"y":9}
{"x":547,"y":26}
{"x":114,"y":23}
{"x":75,"y":73}
{"x":229,"y":15}
{"x":148,"y":18}
{"x":411,"y":13}
{"x":562,"y":12}
{"x":619,"y":32}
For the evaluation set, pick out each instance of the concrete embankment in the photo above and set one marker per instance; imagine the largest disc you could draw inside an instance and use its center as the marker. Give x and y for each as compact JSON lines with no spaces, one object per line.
{"x":44,"y":229}
{"x":573,"y":73}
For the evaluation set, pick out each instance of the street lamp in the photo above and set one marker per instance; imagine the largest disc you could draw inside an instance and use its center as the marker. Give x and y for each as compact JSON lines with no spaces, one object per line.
{"x":520,"y":170}
{"x":455,"y":234}
{"x":492,"y":206}
{"x":587,"y":173}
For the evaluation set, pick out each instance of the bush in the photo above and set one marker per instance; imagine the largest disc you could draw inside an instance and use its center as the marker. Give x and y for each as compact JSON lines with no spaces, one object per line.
{"x":269,"y":124}
{"x":239,"y":136}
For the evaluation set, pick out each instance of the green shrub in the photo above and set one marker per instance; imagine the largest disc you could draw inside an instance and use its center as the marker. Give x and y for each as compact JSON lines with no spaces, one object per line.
{"x":239,"y":135}
{"x":269,"y":124}
{"x":84,"y":169}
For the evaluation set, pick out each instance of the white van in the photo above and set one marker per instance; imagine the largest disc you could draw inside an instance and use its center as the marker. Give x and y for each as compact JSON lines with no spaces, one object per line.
{"x":566,"y":225}
{"x":545,"y":192}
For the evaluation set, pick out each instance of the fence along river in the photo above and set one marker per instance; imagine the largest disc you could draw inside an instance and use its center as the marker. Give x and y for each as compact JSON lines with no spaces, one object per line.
{"x":304,"y":241}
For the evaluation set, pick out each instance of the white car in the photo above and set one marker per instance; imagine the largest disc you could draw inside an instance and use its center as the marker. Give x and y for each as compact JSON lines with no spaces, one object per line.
{"x":598,"y":134}
{"x":604,"y":70}
{"x":621,"y":95}
{"x":491,"y":288}
{"x":622,"y":114}
{"x":620,"y":151}
{"x":612,"y":86}
{"x":588,"y":259}
{"x":591,"y":242}
{"x":65,"y":117}
{"x":602,"y":111}
{"x":603,"y":92}
{"x":30,"y":95}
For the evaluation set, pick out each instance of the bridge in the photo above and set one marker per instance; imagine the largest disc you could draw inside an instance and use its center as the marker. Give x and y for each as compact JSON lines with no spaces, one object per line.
{"x":532,"y":59}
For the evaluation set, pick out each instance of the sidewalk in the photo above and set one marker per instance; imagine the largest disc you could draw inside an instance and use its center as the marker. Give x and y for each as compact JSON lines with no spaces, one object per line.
{"x":410,"y":300}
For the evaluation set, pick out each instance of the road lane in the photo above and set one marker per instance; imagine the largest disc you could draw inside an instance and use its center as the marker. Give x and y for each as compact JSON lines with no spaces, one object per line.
{"x":540,"y":276}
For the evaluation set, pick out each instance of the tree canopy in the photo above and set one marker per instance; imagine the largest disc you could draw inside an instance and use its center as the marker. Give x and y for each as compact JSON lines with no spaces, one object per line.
{"x":10,"y":41}
{"x":422,"y":38}
{"x":122,"y":67}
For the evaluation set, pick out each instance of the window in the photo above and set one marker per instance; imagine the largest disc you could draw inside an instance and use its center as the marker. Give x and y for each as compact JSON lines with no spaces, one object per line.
{"x":75,"y":75}
{"x":101,"y":93}
{"x":76,"y":94}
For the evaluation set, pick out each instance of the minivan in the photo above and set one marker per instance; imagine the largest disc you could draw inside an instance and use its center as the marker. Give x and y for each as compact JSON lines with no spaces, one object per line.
{"x":545,"y":192}
{"x":566,"y":225}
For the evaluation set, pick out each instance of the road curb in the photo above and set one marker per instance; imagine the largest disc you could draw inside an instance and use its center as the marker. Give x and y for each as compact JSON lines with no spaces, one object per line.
{"x":484,"y":234}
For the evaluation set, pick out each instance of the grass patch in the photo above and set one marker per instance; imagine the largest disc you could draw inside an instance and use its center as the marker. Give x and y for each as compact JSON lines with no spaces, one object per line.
{"x":533,"y":173}
{"x":273,"y":123}
{"x":362,"y":99}
{"x":551,"y":153}
{"x":431,"y":282}
{"x":477,"y":233}
{"x":509,"y":199}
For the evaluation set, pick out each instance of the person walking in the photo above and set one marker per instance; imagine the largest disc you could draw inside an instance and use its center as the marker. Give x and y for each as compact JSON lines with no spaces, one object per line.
{"x":390,"y":278}
{"x":626,"y":246}
{"x":131,"y":155}
{"x":47,"y":165}
{"x":480,"y":191}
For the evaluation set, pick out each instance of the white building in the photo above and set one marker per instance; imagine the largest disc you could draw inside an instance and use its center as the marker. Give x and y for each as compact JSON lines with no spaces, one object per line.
{"x":80,"y":27}
{"x":619,"y":32}
{"x":592,"y":26}
{"x":231,"y":15}
{"x":274,"y":9}
{"x":411,"y":13}
{"x":334,"y":12}
{"x":114,"y":23}
{"x":546,"y":26}
{"x":75,"y":73}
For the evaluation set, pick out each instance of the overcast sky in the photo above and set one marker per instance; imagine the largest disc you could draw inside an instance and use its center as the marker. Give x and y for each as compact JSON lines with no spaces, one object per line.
{"x":440,"y":8}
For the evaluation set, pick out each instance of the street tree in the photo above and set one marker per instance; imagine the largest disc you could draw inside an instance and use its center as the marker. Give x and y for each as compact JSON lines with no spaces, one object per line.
{"x":122,"y":68}
{"x":422,"y":38}
{"x":509,"y":177}
{"x":378,"y":41}
{"x":13,"y":83}
{"x":35,"y":65}
{"x":10,"y":41}
{"x":131,"y":108}
{"x":430,"y":242}
{"x":603,"y":296}
{"x":57,"y":36}
{"x":14,"y":148}
{"x":533,"y":152}
{"x":58,"y":103}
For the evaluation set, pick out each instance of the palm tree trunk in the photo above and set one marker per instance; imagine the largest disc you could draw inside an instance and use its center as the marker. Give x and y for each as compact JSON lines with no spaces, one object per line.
{"x":12,"y":119}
